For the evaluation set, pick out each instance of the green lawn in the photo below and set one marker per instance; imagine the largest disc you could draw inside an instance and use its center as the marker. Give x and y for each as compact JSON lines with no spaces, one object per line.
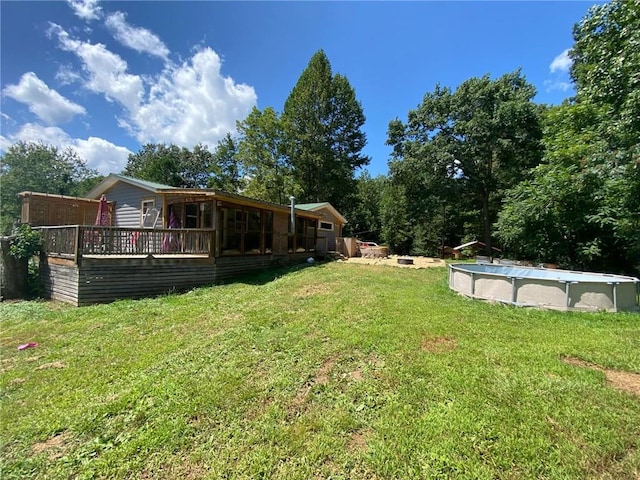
{"x":332,"y":370}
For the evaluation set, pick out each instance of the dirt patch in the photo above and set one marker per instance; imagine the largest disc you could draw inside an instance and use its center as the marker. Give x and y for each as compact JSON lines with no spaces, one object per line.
{"x":357,"y":442}
{"x":45,"y":366}
{"x":439,"y":344}
{"x":55,"y":446}
{"x":392,"y":261}
{"x":186,"y":470}
{"x":356,"y":375}
{"x":313,"y":290}
{"x":321,"y":378}
{"x":625,"y":381}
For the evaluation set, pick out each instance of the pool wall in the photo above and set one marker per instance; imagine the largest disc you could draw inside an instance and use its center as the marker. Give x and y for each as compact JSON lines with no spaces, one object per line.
{"x":545,"y":288}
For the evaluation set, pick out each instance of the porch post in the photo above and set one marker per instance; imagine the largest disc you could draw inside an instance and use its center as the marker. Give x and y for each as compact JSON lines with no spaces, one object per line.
{"x":79,"y":241}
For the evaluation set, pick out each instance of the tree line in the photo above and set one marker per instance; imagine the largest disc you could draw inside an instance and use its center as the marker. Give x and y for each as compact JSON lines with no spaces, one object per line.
{"x":483,"y":161}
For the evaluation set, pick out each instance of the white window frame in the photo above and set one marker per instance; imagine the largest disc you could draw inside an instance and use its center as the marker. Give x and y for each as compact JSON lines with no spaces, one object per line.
{"x":320,"y":227}
{"x":148,"y":207}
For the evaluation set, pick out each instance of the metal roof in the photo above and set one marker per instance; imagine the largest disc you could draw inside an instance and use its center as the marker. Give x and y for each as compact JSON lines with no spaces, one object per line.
{"x":475,"y":243}
{"x":314,"y":207}
{"x":112,"y":178}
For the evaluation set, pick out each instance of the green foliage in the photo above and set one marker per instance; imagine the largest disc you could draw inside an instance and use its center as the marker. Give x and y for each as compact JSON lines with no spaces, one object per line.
{"x":396,"y":223}
{"x":171,"y":165}
{"x":26,"y":242}
{"x":581,"y":208}
{"x":292,"y":376}
{"x":365,"y":214}
{"x":226,"y":167}
{"x":260,"y":150}
{"x":322,"y":122}
{"x":583,"y":216}
{"x":42,"y":168}
{"x":457,"y":154}
{"x":197,"y":168}
{"x":606,"y":62}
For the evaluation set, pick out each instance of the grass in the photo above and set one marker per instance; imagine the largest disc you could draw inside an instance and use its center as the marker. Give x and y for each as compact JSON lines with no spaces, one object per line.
{"x":328,"y":371}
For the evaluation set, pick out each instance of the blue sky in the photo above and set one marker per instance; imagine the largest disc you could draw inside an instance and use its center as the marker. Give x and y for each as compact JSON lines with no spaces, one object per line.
{"x":107,"y":77}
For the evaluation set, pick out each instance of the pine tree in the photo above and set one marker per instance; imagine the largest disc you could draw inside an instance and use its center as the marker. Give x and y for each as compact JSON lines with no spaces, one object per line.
{"x":322,"y":122}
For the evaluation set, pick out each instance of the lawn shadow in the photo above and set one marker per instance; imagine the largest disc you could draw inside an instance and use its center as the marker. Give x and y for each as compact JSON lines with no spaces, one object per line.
{"x":267,"y":275}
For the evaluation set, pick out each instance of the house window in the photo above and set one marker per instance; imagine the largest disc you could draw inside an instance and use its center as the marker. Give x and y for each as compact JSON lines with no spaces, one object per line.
{"x":253,"y":231}
{"x":304,"y":236}
{"x":244,"y":230}
{"x":191,"y":214}
{"x":148,"y":214}
{"x":231,"y":230}
{"x":326,"y":226}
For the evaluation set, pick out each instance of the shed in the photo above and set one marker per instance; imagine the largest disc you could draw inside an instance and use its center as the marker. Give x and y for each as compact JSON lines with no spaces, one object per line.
{"x":474,"y":246}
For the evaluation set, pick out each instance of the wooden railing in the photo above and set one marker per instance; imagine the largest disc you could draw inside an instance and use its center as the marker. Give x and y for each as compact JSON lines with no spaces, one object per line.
{"x":78,"y":240}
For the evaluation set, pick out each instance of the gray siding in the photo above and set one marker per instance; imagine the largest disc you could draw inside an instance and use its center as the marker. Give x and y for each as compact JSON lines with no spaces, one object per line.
{"x":128,"y":200}
{"x":330,"y":235}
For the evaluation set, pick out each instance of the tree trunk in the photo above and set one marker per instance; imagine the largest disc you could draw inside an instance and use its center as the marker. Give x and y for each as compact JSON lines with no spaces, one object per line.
{"x":14,"y":273}
{"x":487,"y":224}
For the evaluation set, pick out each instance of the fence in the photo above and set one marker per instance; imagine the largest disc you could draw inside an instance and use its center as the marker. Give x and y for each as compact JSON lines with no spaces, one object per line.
{"x":78,"y":240}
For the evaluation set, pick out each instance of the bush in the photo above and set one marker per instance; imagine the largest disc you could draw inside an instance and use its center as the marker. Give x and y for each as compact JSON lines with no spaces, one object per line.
{"x":26,"y":242}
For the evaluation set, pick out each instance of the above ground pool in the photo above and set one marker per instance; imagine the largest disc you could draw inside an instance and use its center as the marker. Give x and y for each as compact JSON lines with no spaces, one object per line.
{"x":545,"y":288}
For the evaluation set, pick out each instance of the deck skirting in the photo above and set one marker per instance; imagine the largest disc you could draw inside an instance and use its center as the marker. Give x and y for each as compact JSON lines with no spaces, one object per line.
{"x":106,"y":279}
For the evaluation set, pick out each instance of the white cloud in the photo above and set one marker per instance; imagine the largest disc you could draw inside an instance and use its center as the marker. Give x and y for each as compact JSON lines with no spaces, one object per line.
{"x":46,"y":103}
{"x":86,"y":9}
{"x":561,"y":63}
{"x":193,"y":103}
{"x":551,"y":85}
{"x":100,"y":154}
{"x":139,"y":39}
{"x":107,"y":72}
{"x":185,"y":104}
{"x":66,"y":75}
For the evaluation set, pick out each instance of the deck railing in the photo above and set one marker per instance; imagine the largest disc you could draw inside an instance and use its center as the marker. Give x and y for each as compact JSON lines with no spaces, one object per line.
{"x":78,"y":240}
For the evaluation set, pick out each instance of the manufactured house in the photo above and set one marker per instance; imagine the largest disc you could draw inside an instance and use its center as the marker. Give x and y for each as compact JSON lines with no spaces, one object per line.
{"x":330,"y":225}
{"x":163,"y":238}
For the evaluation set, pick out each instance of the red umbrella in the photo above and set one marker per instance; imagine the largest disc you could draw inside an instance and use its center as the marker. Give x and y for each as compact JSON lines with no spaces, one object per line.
{"x":102,"y":218}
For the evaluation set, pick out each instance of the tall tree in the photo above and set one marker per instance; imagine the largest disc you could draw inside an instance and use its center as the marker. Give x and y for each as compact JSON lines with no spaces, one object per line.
{"x":42,"y":168}
{"x":157,"y":163}
{"x":226,"y":171}
{"x":606,"y":62}
{"x":484,"y":137}
{"x":581,"y":208}
{"x":323,"y":137}
{"x":364,"y":216}
{"x":260,"y":150}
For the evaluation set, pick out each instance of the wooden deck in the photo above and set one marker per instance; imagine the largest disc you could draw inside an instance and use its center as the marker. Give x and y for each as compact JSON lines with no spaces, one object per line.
{"x":84,"y":265}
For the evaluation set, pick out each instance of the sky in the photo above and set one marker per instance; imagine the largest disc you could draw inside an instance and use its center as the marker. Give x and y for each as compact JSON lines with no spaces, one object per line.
{"x":107,"y":77}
